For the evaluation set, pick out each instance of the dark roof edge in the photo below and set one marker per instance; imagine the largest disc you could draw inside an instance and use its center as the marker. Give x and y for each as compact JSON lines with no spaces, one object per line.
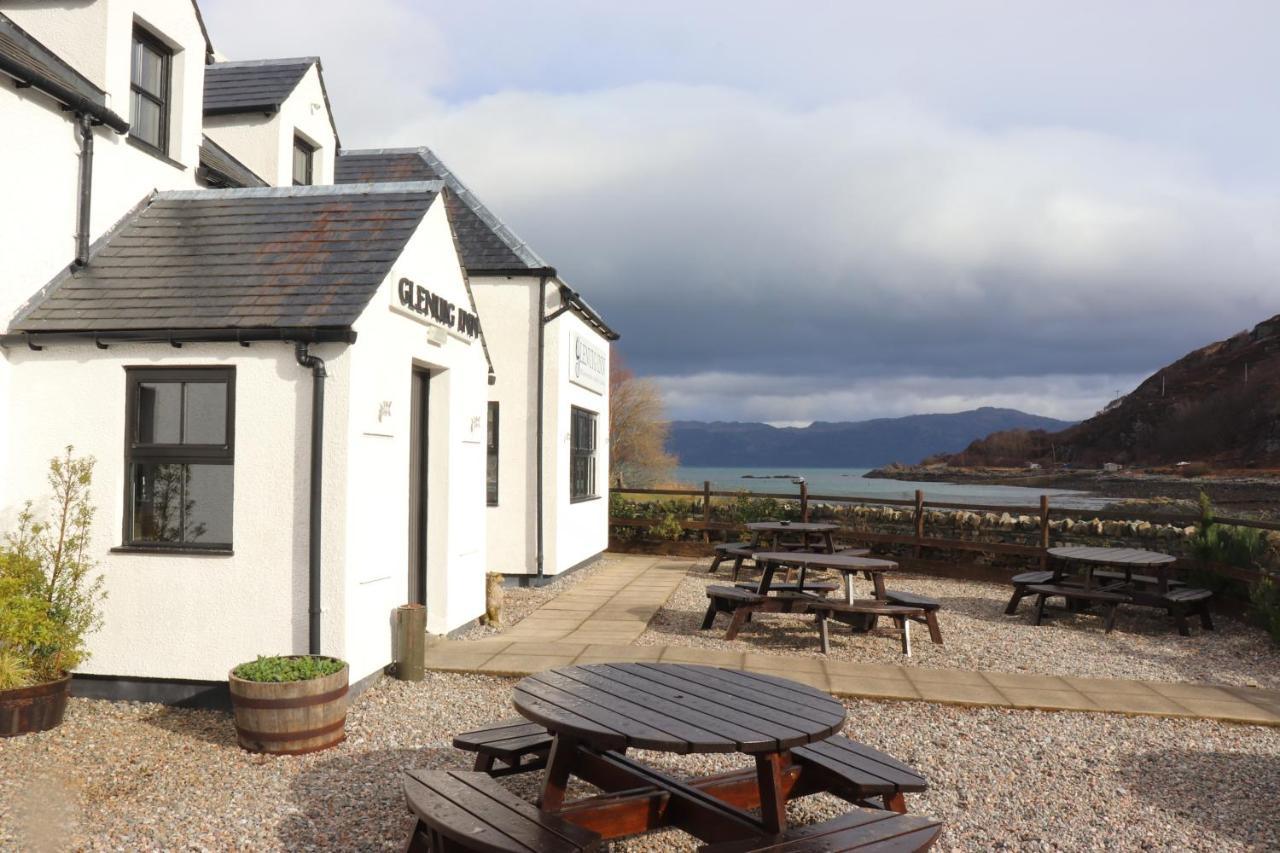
{"x":74,"y":100}
{"x":208,"y":42}
{"x":175,"y":337}
{"x":589,"y":315}
{"x":69,"y":270}
{"x":205,"y":140}
{"x":534,"y":272}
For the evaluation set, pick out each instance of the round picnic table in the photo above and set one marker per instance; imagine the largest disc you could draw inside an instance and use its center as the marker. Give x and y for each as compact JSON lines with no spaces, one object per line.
{"x":597,"y":711}
{"x":1127,"y":559}
{"x":847,"y":564}
{"x":775,"y":530}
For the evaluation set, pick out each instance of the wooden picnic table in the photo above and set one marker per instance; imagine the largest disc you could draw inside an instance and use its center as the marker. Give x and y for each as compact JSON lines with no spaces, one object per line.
{"x":845,"y":564}
{"x":1126,"y":559}
{"x":597,"y":712}
{"x":775,"y":530}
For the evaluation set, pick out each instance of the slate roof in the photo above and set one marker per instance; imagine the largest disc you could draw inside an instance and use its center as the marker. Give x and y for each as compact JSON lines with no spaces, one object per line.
{"x":22,"y":56}
{"x":486,"y":244}
{"x":261,"y":258}
{"x":252,"y":86}
{"x":220,"y":168}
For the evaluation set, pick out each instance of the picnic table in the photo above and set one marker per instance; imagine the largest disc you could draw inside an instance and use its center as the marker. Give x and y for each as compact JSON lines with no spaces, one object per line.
{"x":597,"y":712}
{"x":847,"y":565}
{"x":808,"y":530}
{"x":1098,"y":582}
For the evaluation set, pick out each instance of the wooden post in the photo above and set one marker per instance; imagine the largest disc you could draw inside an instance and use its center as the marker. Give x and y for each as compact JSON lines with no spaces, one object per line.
{"x":706,"y":510}
{"x":804,"y":501}
{"x":919,"y":531}
{"x":1044,"y":531}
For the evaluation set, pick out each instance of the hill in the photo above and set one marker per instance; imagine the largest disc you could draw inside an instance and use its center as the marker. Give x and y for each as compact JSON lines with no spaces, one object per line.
{"x":859,"y":444}
{"x":1218,"y":405}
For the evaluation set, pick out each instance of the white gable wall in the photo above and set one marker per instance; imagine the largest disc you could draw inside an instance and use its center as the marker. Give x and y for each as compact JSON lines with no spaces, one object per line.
{"x":388,"y":348}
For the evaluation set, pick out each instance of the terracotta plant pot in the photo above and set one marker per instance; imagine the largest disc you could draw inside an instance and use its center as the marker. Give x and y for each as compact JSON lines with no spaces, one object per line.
{"x":38,"y":708}
{"x":290,"y":717}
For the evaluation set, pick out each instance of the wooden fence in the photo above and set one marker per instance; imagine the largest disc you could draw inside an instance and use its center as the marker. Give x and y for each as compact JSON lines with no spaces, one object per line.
{"x":916,"y":541}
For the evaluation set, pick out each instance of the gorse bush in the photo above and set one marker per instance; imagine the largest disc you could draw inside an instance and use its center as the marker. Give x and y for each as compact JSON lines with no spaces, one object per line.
{"x":280,"y":668}
{"x":48,"y":595}
{"x":1224,"y":543}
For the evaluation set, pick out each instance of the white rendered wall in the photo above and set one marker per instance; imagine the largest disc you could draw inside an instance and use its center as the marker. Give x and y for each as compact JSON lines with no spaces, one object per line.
{"x":388,"y":347}
{"x":179,"y":616}
{"x":264,"y":143}
{"x":509,"y":310}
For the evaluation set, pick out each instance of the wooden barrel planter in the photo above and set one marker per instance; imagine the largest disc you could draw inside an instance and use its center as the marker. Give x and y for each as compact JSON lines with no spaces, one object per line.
{"x":38,"y":708}
{"x":290,"y":717}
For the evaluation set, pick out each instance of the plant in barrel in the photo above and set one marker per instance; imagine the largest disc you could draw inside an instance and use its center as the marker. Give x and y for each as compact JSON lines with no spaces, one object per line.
{"x":290,"y":704}
{"x":49,"y":599}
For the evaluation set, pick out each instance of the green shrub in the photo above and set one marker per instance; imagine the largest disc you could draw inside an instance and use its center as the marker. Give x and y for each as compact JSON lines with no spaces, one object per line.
{"x":48,"y":599}
{"x":668,"y":528}
{"x":278,"y":668}
{"x":1227,"y":544}
{"x":1265,"y":596}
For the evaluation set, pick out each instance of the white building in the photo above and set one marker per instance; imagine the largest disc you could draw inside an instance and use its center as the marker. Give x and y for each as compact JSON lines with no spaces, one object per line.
{"x":285,"y":382}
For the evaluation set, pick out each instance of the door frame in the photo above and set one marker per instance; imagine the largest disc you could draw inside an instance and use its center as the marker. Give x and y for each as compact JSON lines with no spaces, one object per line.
{"x":419,"y":483}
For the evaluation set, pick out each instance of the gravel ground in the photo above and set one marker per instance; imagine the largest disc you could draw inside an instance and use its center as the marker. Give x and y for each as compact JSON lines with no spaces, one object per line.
{"x":519,"y":601}
{"x":977,"y":635}
{"x":145,"y":777}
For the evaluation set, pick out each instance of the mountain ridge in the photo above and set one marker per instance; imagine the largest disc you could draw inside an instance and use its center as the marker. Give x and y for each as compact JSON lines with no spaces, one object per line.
{"x":843,"y":444}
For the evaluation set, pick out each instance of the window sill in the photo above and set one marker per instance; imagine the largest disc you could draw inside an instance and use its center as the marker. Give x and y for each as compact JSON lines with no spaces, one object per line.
{"x":154,"y":152}
{"x":587,"y":499}
{"x":174,"y":552}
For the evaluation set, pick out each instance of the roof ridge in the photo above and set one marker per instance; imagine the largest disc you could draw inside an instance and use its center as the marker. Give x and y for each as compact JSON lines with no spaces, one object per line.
{"x":257,"y":63}
{"x":519,"y":247}
{"x":321,"y":190}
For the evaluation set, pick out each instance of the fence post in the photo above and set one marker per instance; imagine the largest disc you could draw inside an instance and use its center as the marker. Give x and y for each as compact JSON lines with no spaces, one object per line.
{"x":804,"y":501}
{"x":1044,"y":531}
{"x":919,"y":531}
{"x":706,"y":511}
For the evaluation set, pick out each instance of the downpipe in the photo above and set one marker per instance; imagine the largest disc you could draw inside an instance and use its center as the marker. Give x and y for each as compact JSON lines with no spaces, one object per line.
{"x":85,"y":124}
{"x":318,"y":375}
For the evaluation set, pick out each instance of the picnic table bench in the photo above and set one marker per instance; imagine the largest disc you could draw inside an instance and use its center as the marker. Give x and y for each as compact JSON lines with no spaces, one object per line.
{"x":1111,"y":600}
{"x":461,"y":810}
{"x":742,"y":604}
{"x":519,"y":744}
{"x":860,"y":615}
{"x":864,"y":829}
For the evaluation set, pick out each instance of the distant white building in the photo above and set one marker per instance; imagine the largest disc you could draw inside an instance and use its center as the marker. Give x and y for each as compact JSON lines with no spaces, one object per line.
{"x":288,"y":384}
{"x":1111,"y":467}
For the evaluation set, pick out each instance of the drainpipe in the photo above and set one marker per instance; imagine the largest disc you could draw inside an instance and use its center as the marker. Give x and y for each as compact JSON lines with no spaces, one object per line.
{"x":542,"y":349}
{"x":85,"y":123}
{"x":316,"y":364}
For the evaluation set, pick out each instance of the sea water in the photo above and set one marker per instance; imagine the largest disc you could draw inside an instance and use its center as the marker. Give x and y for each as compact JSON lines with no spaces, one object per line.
{"x":851,"y":482}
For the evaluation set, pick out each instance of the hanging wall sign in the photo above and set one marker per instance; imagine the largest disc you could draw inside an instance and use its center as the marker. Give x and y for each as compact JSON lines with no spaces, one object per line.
{"x":421,"y":304}
{"x":588,"y":364}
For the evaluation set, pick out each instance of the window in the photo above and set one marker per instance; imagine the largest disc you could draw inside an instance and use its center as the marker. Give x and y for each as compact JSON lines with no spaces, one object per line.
{"x":149,"y":84}
{"x":491,"y":476}
{"x":180,"y":427}
{"x":303,"y":154}
{"x":582,"y":462}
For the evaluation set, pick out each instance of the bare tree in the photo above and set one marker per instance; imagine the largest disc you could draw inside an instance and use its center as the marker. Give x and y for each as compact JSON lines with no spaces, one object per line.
{"x":638,"y":429}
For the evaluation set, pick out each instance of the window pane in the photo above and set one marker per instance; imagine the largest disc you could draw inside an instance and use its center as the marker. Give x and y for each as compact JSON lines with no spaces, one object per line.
{"x":206,"y":413}
{"x":208,"y":509}
{"x":301,"y":164}
{"x":148,"y":69}
{"x":146,"y":120}
{"x":181,"y":504}
{"x":159,"y":413}
{"x":491,"y":472}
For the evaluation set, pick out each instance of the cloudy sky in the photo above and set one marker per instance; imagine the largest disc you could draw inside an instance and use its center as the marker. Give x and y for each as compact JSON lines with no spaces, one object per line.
{"x":797,"y":211}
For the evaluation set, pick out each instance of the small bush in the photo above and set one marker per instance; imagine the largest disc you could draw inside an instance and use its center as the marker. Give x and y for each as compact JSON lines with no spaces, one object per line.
{"x":1265,"y":596}
{"x":668,"y":528}
{"x":279,"y":668}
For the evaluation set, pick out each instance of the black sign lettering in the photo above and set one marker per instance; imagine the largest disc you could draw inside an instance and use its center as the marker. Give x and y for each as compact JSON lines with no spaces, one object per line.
{"x":421,"y":301}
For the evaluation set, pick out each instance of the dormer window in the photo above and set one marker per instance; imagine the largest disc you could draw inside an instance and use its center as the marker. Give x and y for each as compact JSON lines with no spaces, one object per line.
{"x":303,"y":155}
{"x":149,"y":83}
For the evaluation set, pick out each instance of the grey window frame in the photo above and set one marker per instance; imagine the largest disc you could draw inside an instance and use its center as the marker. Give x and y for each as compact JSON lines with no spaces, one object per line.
{"x":491,"y":454}
{"x":301,"y":144}
{"x":136,"y":453}
{"x":161,"y":99}
{"x":583,"y":450}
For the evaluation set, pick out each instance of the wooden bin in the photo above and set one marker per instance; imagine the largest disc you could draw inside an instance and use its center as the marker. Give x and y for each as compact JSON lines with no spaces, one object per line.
{"x":290,"y":717}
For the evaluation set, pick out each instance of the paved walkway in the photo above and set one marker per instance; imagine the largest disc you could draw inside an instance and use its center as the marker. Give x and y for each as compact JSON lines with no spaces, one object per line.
{"x":597,"y":620}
